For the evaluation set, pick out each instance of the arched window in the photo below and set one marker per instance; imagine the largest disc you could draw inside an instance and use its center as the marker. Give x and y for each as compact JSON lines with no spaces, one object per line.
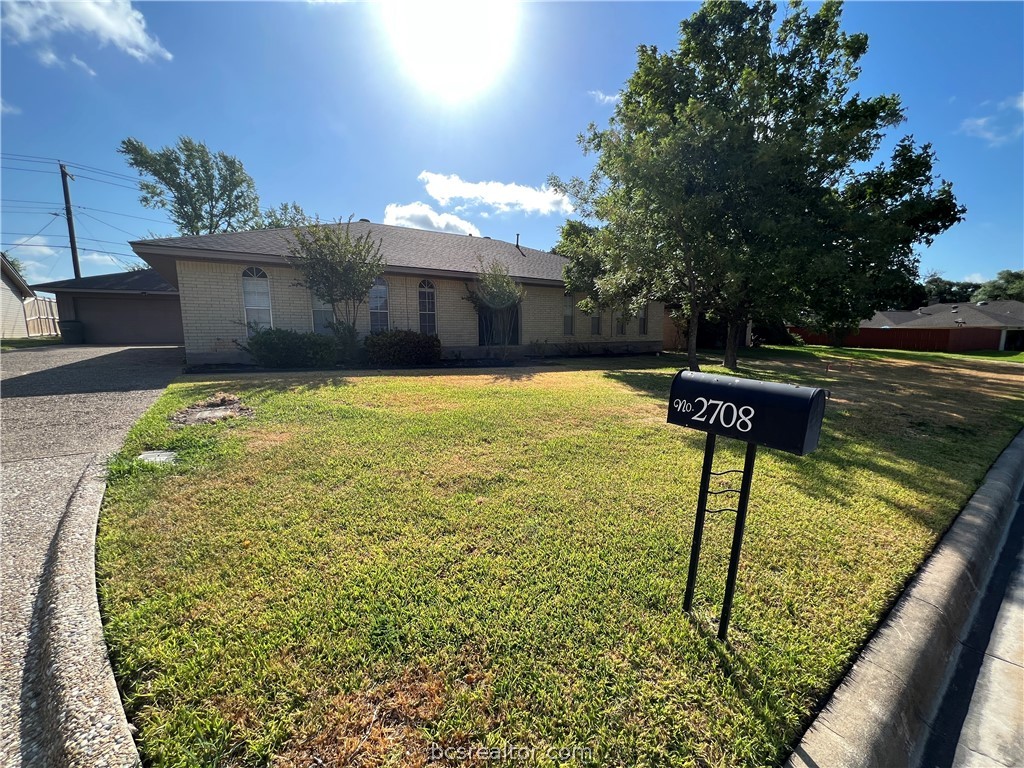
{"x":256,"y":299}
{"x":379,"y":306}
{"x":428,"y":308}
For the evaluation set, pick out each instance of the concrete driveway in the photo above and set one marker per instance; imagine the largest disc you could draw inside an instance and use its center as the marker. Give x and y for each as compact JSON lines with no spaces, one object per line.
{"x":62,"y":408}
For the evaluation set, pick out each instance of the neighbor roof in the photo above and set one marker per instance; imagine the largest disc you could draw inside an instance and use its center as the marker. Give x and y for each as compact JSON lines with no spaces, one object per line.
{"x":401,"y":247}
{"x":992,"y":314}
{"x":137,"y":281}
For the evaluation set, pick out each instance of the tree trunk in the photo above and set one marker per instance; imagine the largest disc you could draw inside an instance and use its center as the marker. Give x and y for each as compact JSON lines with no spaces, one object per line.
{"x":691,"y":336}
{"x":734,"y":330}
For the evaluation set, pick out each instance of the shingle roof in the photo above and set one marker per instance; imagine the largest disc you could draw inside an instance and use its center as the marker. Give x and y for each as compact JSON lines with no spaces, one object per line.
{"x":401,"y":247}
{"x":137,"y":281}
{"x":889,"y":319}
{"x":993,"y":314}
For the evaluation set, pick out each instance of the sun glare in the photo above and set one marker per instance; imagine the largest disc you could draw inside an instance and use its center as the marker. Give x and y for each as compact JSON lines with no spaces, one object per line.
{"x":452,"y":49}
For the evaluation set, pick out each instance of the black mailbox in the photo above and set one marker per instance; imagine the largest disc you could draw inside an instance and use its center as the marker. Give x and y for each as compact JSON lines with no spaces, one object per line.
{"x":782,"y":416}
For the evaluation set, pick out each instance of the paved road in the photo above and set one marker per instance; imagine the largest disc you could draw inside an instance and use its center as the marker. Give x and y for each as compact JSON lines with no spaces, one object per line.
{"x":981,"y":722}
{"x":61,"y":408}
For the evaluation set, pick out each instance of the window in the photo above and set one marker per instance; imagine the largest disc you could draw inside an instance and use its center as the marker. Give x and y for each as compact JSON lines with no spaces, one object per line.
{"x":620,"y":323}
{"x":428,"y":308}
{"x":567,"y":315}
{"x":256,"y":299}
{"x":379,"y":306}
{"x":595,"y":324}
{"x":323,"y":314}
{"x":642,"y":321}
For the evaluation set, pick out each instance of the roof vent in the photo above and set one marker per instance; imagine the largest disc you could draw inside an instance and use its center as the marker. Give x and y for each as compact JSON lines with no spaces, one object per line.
{"x":982,"y":303}
{"x":366,"y":220}
{"x":486,"y":237}
{"x":956,"y":307}
{"x":954,"y":311}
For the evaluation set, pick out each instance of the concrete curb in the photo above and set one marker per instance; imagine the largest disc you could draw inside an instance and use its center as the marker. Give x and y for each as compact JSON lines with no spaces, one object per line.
{"x":881,"y":713}
{"x":81,"y":707}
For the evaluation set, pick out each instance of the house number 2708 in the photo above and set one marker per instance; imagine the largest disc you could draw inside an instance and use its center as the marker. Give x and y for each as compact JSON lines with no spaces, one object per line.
{"x":725,"y":413}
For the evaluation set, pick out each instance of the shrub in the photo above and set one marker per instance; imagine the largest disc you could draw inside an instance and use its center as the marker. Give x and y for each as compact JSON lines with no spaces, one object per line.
{"x":281,"y":348}
{"x":396,"y":348}
{"x":348,"y":349}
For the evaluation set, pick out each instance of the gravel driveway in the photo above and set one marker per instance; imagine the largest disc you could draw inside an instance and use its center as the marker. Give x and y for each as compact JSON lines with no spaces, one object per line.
{"x":62,"y":409}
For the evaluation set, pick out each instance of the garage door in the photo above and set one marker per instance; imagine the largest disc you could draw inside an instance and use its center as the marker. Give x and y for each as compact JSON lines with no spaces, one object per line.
{"x":130,"y":320}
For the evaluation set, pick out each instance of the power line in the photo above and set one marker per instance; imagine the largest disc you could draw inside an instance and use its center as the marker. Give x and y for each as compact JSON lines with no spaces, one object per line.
{"x":45,"y":160}
{"x":28,"y":245}
{"x":93,"y":239}
{"x":66,"y":247}
{"x":128,"y":215}
{"x":41,"y":206}
{"x":101,"y":181}
{"x":112,"y":226}
{"x":30,"y":170}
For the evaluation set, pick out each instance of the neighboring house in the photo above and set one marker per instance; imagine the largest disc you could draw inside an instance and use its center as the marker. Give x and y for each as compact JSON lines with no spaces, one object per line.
{"x":940,"y":328}
{"x":21,"y":311}
{"x":138,"y":307}
{"x":230,"y":280}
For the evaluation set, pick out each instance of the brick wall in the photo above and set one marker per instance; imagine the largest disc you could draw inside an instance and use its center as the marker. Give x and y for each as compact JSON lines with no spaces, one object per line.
{"x":213,"y":315}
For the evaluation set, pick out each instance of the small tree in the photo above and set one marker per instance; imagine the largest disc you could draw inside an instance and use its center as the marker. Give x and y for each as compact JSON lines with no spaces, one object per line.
{"x":338,"y":268}
{"x":496,"y":298}
{"x":285,"y":215}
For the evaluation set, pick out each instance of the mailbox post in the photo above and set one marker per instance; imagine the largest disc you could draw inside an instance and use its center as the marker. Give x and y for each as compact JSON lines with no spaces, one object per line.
{"x":782,"y":416}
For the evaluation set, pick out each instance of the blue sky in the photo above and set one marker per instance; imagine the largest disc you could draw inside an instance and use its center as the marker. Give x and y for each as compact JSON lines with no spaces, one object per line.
{"x":450,"y":118}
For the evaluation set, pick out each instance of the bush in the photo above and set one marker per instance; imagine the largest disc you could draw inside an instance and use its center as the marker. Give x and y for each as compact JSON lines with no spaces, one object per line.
{"x":397,"y":348}
{"x":348,"y":349}
{"x":281,"y":348}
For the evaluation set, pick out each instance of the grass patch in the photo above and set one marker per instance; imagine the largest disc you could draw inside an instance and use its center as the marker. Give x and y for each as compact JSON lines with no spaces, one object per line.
{"x":858,"y":353}
{"x":496,"y":558}
{"x":9,"y":345}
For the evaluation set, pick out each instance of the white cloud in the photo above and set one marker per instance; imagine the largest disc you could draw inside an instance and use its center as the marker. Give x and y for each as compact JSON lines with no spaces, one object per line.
{"x":604,"y":98}
{"x":37,"y":258}
{"x":6,"y":108}
{"x":99,"y":259}
{"x":48,"y":58}
{"x":495,"y":194}
{"x":421,"y":216}
{"x":1000,"y":127}
{"x":975,"y":277}
{"x":112,"y":22}
{"x":85,"y":67}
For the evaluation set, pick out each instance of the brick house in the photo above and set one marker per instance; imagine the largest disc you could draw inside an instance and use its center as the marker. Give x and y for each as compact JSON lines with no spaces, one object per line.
{"x":227,"y":281}
{"x":995,"y":325}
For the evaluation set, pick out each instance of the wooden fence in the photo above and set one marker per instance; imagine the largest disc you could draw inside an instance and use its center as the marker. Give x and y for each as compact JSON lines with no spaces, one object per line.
{"x":41,"y":317}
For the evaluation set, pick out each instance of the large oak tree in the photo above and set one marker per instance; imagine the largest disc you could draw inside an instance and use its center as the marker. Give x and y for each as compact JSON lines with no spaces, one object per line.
{"x":735,"y":178}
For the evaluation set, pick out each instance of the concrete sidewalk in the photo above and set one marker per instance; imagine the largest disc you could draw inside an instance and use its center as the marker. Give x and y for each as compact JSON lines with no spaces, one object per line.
{"x":64,"y":409}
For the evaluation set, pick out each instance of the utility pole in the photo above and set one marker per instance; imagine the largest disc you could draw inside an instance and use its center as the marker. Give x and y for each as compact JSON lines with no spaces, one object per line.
{"x":71,"y":221}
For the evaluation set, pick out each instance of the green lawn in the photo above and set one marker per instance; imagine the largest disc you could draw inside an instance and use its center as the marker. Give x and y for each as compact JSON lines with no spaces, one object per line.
{"x":857,"y":353}
{"x":374,"y":564}
{"x":8,"y":345}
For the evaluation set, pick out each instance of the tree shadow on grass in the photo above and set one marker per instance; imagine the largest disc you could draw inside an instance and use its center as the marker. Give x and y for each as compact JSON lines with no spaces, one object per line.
{"x":930,"y":429}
